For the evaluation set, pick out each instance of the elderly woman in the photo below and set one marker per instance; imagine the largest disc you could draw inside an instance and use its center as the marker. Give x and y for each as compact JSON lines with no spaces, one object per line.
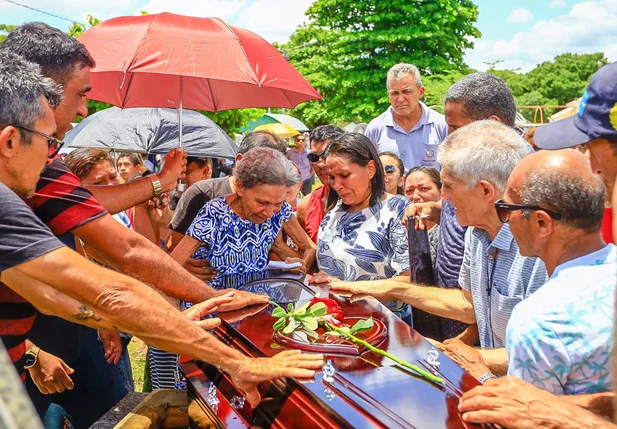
{"x":423,"y":184}
{"x":394,"y":172}
{"x":235,"y":233}
{"x":362,"y":237}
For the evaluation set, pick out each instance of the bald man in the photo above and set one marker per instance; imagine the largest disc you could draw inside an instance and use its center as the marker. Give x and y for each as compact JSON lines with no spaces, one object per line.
{"x":560,"y":338}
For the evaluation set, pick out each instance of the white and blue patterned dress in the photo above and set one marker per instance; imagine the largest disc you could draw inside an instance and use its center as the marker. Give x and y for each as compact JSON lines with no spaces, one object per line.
{"x":369,"y":244}
{"x":231,"y":244}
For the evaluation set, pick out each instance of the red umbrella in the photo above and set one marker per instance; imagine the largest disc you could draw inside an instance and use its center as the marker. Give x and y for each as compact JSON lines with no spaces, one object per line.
{"x":178,"y":61}
{"x":169,"y":60}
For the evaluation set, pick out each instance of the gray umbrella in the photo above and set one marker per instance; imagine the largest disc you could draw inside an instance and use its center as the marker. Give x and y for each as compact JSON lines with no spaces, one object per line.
{"x":147,"y":130}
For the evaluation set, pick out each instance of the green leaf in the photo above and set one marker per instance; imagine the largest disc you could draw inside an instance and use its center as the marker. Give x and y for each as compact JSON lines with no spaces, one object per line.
{"x":312,"y":334}
{"x":318,"y":309}
{"x":310,"y":323}
{"x":279,"y":324}
{"x":290,"y":327}
{"x":362,"y":325}
{"x":303,"y":308}
{"x":290,"y":307}
{"x":279,"y":312}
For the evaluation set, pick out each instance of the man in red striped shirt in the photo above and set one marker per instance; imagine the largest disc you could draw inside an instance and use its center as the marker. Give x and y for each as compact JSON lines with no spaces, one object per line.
{"x":55,"y":279}
{"x":70,"y":209}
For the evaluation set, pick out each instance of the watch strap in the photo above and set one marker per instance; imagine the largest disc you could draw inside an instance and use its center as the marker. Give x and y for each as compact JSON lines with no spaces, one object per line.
{"x":484,"y":377}
{"x":156,"y":185}
{"x":34,"y":352}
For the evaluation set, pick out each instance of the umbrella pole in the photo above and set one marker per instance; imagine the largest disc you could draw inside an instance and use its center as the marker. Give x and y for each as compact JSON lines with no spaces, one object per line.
{"x":180,"y":187}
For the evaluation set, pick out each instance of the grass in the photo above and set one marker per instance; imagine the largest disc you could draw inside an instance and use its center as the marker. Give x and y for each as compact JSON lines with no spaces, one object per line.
{"x":137,"y":352}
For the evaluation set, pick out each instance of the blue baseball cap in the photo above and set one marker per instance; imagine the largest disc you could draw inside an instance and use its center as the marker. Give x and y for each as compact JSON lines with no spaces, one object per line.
{"x":596,"y":118}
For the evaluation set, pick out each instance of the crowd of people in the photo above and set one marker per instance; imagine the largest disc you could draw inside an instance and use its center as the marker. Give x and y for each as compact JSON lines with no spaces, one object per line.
{"x":524,"y":280}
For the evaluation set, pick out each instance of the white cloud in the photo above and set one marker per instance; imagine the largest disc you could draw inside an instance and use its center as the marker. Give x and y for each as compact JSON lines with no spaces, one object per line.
{"x":557,"y":4}
{"x":274,"y":20}
{"x":588,"y":27}
{"x":520,"y":16}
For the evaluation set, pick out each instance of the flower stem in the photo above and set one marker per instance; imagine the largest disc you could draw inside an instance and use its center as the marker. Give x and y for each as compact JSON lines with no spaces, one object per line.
{"x":415,"y":368}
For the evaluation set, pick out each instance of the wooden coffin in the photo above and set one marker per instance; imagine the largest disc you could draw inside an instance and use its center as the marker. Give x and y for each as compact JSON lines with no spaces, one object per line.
{"x":366,"y":391}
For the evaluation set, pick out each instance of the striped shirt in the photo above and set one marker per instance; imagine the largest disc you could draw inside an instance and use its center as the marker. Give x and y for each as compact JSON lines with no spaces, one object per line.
{"x":23,"y":237}
{"x":498,"y":278}
{"x":63,"y":205}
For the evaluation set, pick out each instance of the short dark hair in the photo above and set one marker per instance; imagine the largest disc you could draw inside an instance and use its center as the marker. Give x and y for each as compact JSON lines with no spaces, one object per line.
{"x":326,"y":132}
{"x":262,"y":139}
{"x":431,"y":172}
{"x":201,"y":162}
{"x":358,"y":149}
{"x":82,"y":161}
{"x":21,"y":88}
{"x":135,"y":158}
{"x":580,"y":201}
{"x":483,"y":95}
{"x":55,"y":51}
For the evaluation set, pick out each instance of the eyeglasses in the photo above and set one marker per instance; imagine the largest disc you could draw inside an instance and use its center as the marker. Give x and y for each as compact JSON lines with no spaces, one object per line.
{"x":504,"y":210}
{"x":389,"y":169}
{"x":300,"y":140}
{"x":315,"y":157}
{"x":53,"y":143}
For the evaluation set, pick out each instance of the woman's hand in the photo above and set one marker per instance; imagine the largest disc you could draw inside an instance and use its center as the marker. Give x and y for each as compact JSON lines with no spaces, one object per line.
{"x":322,"y":279}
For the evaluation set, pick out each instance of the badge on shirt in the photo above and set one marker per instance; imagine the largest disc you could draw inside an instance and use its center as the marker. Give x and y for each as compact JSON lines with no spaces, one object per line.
{"x":429,"y":155}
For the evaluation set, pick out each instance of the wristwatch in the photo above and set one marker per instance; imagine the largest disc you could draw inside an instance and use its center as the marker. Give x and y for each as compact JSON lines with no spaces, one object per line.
{"x":31,"y":357}
{"x":486,"y":376}
{"x":156,"y":185}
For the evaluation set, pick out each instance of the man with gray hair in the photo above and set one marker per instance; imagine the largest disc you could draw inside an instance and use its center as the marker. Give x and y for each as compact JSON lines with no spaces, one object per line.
{"x":560,"y":339}
{"x":476,"y":162}
{"x":408,"y":128}
{"x":476,"y":96}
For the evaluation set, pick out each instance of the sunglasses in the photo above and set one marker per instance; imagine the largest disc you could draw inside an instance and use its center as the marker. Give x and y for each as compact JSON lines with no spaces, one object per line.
{"x":504,"y":210}
{"x":389,"y":169}
{"x":53,"y":143}
{"x":315,"y":157}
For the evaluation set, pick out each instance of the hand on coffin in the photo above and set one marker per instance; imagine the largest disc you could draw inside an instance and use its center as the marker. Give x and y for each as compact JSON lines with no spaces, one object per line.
{"x":290,"y":363}
{"x":197,"y":311}
{"x":513,"y":403}
{"x":466,"y":356}
{"x":243,"y":299}
{"x":174,"y":169}
{"x":237,"y":315}
{"x":50,"y":374}
{"x":112,"y":345}
{"x":429,"y":211}
{"x":357,"y":290}
{"x":322,"y":278}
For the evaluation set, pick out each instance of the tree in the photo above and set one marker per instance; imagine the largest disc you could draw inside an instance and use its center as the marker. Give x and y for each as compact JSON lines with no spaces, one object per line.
{"x":551,"y":83}
{"x":347,"y":47}
{"x":4,"y":30}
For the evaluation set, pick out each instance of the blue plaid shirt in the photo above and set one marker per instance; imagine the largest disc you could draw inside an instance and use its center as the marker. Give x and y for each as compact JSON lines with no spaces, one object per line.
{"x":498,"y":278}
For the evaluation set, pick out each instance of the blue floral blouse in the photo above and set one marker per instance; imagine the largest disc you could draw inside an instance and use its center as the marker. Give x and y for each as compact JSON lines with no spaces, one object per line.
{"x":369,"y":244}
{"x":231,"y":244}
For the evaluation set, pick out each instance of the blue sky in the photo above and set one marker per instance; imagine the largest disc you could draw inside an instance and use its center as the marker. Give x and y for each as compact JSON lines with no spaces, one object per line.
{"x":520,"y":33}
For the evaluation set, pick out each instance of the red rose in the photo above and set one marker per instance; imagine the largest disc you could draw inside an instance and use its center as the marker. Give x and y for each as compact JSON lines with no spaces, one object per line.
{"x":332,"y":307}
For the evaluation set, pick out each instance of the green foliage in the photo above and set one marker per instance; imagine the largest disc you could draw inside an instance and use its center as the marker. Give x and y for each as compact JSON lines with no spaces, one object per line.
{"x":348,"y":46}
{"x":553,"y":83}
{"x":4,"y":30}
